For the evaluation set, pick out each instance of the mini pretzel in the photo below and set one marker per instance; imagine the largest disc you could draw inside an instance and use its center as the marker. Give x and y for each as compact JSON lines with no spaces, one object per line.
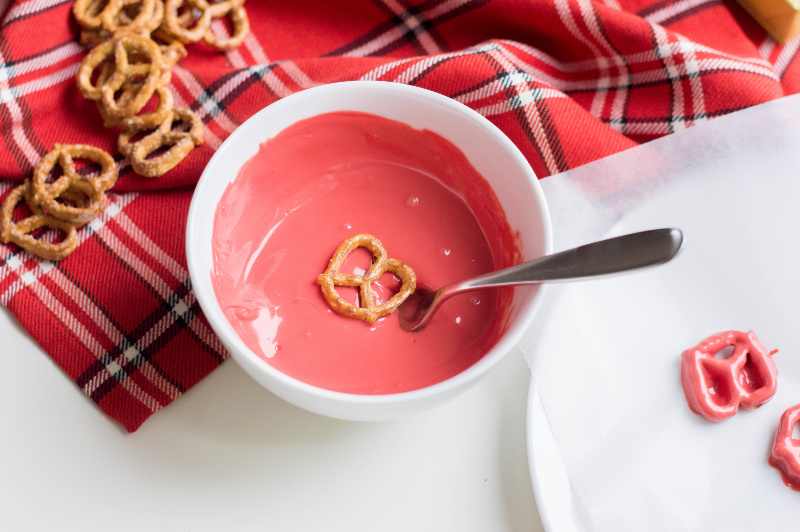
{"x":114,"y":18}
{"x":368,"y":310}
{"x":194,"y":23}
{"x":71,"y":197}
{"x":125,"y":21}
{"x":19,"y":232}
{"x":171,"y":53}
{"x":121,"y":47}
{"x":180,"y":142}
{"x":241,"y":24}
{"x":143,"y":121}
{"x":138,"y":42}
{"x":114,"y":15}
{"x":45,"y":195}
{"x":88,"y":12}
{"x":178,"y":24}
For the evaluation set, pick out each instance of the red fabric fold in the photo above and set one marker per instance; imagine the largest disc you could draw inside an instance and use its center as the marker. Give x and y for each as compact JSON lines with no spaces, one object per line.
{"x":569,"y":81}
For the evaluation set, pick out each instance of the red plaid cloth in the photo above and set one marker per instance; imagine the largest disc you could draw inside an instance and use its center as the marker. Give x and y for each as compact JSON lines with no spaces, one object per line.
{"x":569,"y":81}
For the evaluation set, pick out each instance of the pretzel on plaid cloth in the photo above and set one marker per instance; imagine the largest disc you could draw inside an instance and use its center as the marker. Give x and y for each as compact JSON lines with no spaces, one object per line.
{"x":45,"y":195}
{"x":19,"y":232}
{"x":64,"y":204}
{"x":193,"y":23}
{"x":180,"y":143}
{"x":568,"y":82}
{"x":122,"y":48}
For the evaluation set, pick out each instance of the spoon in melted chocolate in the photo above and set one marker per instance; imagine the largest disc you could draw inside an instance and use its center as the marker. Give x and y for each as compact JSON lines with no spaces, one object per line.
{"x":615,"y":255}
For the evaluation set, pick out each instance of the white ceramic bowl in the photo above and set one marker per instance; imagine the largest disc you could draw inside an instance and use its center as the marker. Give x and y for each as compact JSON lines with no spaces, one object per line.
{"x":486,"y":147}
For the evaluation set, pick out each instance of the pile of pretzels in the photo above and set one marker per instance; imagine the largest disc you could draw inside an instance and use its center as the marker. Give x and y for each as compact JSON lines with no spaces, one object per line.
{"x":136,"y":45}
{"x":64,"y":204}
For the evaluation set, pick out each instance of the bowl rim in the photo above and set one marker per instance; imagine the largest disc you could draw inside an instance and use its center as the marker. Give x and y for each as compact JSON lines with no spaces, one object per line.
{"x":248,"y":359}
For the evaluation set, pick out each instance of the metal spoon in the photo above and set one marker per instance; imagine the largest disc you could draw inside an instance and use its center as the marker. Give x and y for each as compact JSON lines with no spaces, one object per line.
{"x":615,"y":255}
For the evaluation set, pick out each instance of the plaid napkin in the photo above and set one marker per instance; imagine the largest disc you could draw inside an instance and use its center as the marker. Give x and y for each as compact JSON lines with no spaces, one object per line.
{"x":569,"y":81}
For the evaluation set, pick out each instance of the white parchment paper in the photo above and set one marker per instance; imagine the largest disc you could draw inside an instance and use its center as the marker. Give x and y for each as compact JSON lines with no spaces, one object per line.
{"x":605,"y":354}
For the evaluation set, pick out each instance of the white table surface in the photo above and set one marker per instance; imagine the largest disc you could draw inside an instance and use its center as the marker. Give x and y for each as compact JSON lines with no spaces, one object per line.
{"x":229,"y":455}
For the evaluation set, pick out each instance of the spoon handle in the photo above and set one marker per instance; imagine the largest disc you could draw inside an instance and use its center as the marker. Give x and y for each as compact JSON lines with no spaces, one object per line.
{"x":606,"y":257}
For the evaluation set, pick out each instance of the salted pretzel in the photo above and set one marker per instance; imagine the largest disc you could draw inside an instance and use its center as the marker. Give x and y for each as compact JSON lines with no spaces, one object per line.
{"x":193,"y":23}
{"x":116,"y":18}
{"x":180,"y":143}
{"x":20,"y":232}
{"x":71,"y":197}
{"x":133,"y":17}
{"x":147,"y":120}
{"x":125,"y":21}
{"x":171,"y":53}
{"x":138,"y":42}
{"x":367,"y":309}
{"x":147,"y":72}
{"x":241,"y":24}
{"x":46,"y":196}
{"x":114,"y":15}
{"x":190,"y":25}
{"x":88,"y":12}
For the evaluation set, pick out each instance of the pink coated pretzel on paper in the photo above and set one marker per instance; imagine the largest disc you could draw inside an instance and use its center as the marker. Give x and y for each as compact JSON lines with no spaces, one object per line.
{"x":786,"y":449}
{"x":367,"y":309}
{"x":716,"y":387}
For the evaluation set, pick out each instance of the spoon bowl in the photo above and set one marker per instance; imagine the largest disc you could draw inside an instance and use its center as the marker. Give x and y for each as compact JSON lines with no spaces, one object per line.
{"x":606,"y":257}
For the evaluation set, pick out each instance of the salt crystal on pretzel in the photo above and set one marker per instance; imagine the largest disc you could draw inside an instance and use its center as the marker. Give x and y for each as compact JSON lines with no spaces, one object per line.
{"x":367,"y":310}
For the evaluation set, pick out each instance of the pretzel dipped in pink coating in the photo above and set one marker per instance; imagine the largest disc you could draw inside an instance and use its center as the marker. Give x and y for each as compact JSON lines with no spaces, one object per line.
{"x":367,"y":309}
{"x":786,"y":449}
{"x":716,"y":386}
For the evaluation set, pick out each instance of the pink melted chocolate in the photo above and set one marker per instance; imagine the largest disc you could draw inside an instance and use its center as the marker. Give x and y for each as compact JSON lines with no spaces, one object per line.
{"x":323,"y":180}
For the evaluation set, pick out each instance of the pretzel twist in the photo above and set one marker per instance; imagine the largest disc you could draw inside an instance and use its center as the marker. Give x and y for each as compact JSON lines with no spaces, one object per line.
{"x":180,"y":143}
{"x":45,"y":196}
{"x":194,"y":23}
{"x":20,"y":232}
{"x":130,"y":19}
{"x":367,"y":310}
{"x":180,"y":26}
{"x":138,"y":42}
{"x":123,"y":48}
{"x":239,"y":20}
{"x":88,"y":13}
{"x":140,"y":121}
